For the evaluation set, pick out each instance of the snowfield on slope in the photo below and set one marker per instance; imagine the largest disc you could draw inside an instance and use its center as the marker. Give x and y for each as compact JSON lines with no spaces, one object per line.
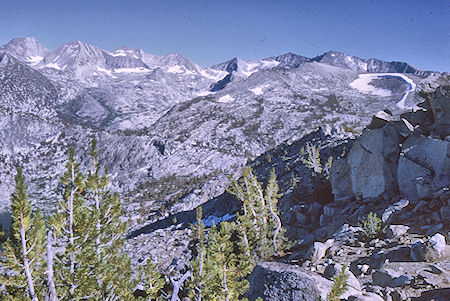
{"x":362,"y":84}
{"x":257,"y":90}
{"x":226,"y":98}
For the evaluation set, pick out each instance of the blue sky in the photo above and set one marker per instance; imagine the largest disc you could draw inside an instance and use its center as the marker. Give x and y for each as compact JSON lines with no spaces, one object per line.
{"x":209,"y":32}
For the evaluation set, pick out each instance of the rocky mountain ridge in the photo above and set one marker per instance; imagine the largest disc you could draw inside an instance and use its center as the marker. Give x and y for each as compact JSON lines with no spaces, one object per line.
{"x":409,"y":261}
{"x":168,"y":141}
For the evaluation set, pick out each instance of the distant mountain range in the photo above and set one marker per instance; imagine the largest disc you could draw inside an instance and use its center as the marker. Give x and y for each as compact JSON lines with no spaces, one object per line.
{"x":164,"y":120}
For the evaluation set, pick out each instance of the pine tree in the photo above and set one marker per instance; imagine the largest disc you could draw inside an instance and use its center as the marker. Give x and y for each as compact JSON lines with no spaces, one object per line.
{"x":152,"y":279}
{"x":259,"y":225}
{"x":83,"y":256}
{"x":219,"y":264}
{"x":24,"y":248}
{"x":200,"y":264}
{"x":276,"y":230}
{"x":228,"y":282}
{"x":73,"y":227}
{"x":113,"y":267}
{"x":89,"y":228}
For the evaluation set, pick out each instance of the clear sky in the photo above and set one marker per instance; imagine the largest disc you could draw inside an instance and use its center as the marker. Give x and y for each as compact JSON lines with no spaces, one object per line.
{"x":209,"y":31}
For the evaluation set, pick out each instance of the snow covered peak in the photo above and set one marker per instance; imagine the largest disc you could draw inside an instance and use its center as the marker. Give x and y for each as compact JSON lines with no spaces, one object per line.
{"x":28,"y":49}
{"x":74,"y":54}
{"x":238,"y":68}
{"x":342,"y":60}
{"x":228,"y":66}
{"x":290,"y":60}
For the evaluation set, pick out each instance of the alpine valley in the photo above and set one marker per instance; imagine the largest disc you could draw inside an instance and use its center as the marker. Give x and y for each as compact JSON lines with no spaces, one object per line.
{"x":174,"y":134}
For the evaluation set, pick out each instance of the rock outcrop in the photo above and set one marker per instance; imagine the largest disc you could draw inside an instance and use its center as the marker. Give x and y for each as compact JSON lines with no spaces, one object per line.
{"x":281,"y":282}
{"x":399,"y":156}
{"x":399,"y":170}
{"x":423,"y":167}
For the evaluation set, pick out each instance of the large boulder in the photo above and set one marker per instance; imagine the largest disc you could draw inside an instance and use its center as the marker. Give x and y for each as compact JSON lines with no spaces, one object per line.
{"x":282,"y":282}
{"x":422,"y":118}
{"x":433,"y":250}
{"x":423,"y":167}
{"x":274,"y":281}
{"x":391,"y":278}
{"x":371,"y":165}
{"x":440,"y":105}
{"x":318,"y":250}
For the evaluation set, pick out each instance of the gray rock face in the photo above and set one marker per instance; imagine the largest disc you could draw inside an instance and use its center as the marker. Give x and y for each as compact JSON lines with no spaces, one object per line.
{"x":373,"y":162}
{"x":281,"y":282}
{"x":423,"y":167}
{"x":372,"y":165}
{"x":440,"y":105}
{"x":340,"y":179}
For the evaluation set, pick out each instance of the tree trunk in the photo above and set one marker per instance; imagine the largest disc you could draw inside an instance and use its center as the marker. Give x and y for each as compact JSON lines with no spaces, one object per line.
{"x":50,"y":278}
{"x":71,"y":235}
{"x":177,"y":285}
{"x":225,"y":286}
{"x":26,"y":263}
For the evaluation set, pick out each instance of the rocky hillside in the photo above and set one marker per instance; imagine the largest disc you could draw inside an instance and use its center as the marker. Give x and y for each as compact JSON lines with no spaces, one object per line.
{"x":396,"y":169}
{"x":171,"y":132}
{"x":157,"y":120}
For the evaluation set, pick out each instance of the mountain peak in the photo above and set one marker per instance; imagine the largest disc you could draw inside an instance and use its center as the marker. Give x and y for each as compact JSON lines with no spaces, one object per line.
{"x":290,"y":60}
{"x":228,"y":66}
{"x":26,"y":49}
{"x":76,"y":53}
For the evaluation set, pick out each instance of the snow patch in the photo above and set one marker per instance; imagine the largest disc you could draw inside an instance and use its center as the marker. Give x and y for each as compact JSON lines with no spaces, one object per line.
{"x":123,"y":53}
{"x":270,"y":64}
{"x":248,"y":73}
{"x":131,"y":70}
{"x":383,"y":115}
{"x":205,"y":93}
{"x":118,"y":53}
{"x":318,"y":89}
{"x":215,"y":75}
{"x":249,"y":69}
{"x":34,"y":59}
{"x":109,"y":72}
{"x":333,"y":54}
{"x":362,"y":84}
{"x":257,"y":90}
{"x":408,"y":125}
{"x":225,"y":99}
{"x":177,"y":69}
{"x":53,"y":65}
{"x":362,"y":66}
